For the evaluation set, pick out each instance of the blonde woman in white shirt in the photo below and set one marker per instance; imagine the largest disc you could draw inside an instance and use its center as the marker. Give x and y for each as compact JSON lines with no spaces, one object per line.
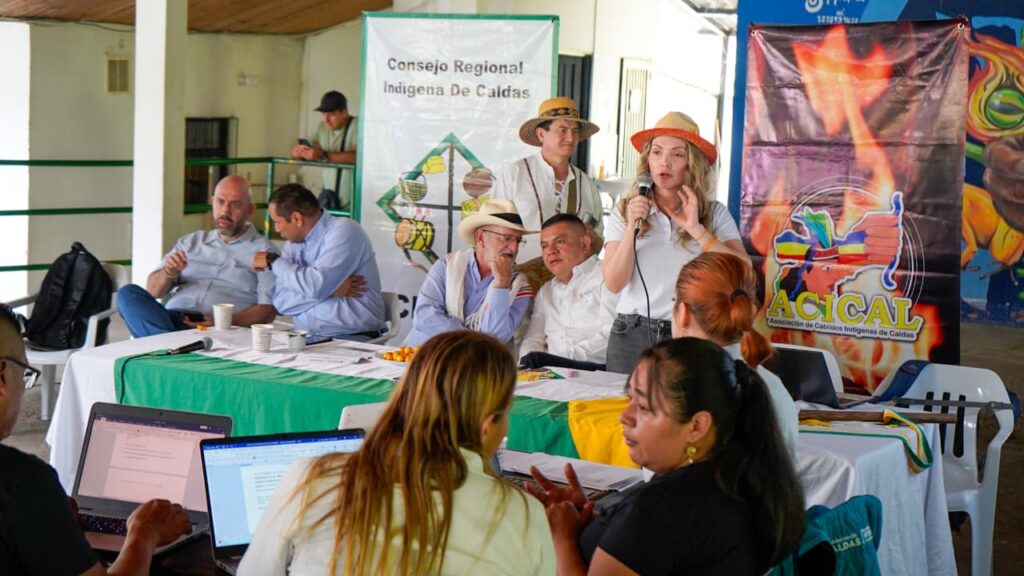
{"x":419,"y":497}
{"x":678,"y":221}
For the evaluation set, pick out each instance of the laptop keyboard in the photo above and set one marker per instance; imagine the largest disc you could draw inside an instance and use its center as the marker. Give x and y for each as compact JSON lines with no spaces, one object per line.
{"x":105,"y":524}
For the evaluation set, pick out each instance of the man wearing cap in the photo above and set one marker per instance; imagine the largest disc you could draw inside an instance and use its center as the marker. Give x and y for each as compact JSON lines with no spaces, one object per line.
{"x":477,"y":288}
{"x":545,"y":184}
{"x":321,"y":253}
{"x":334,"y":141}
{"x":204,"y":268}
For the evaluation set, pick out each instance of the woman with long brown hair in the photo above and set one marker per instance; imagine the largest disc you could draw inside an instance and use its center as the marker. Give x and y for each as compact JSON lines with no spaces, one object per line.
{"x":419,"y":497}
{"x":716,"y":299}
{"x":650,"y":236}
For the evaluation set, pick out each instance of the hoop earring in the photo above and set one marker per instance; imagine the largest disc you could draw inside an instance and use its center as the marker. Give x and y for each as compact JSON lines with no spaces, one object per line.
{"x":691,"y":451}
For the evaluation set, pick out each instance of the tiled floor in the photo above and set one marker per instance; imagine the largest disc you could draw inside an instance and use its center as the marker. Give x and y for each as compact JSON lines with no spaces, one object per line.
{"x":997,"y":348}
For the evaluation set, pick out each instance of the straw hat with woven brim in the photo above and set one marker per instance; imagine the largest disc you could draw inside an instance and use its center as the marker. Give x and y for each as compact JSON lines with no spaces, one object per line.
{"x":677,"y":125}
{"x":560,"y":108}
{"x":493,"y":212}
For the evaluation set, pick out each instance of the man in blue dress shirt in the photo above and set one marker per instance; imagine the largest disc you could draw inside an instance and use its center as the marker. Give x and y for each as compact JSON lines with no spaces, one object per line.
{"x":322,"y":252}
{"x":477,"y":288}
{"x":204,"y":268}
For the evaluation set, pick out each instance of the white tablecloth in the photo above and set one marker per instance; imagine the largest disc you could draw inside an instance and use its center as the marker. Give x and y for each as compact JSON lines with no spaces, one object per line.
{"x":916,"y":539}
{"x":915,"y":531}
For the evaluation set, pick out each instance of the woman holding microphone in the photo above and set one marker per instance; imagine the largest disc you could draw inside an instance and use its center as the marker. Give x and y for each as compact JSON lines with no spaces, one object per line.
{"x":666,"y":219}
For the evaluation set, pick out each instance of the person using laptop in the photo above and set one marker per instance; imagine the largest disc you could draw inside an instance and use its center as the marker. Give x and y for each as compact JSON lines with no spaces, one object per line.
{"x":39,"y":533}
{"x":716,"y":300}
{"x":419,"y":496}
{"x":725,"y":497}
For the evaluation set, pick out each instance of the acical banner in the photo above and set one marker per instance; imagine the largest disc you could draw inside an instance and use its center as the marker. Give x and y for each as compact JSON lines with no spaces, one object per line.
{"x":850,"y":197}
{"x":443,"y":98}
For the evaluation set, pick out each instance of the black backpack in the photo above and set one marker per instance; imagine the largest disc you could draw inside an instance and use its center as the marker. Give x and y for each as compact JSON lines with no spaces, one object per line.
{"x":75,"y":287}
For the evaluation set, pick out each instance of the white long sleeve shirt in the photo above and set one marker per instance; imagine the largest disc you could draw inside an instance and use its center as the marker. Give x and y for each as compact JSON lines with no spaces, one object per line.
{"x":573,"y":319}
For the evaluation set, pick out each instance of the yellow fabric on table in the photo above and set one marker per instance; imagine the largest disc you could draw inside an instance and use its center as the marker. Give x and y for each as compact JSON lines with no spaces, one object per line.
{"x":597,"y":432}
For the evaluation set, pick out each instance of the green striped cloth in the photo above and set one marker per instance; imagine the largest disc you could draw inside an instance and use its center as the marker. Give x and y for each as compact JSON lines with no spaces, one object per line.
{"x":264,"y":399}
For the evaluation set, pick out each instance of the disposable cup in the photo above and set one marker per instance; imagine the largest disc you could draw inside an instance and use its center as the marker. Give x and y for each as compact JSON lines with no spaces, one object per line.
{"x":262,"y":334}
{"x":296,"y":341}
{"x":222,"y":314}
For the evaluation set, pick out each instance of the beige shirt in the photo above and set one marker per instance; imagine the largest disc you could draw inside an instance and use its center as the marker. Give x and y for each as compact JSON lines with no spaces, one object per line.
{"x":519,"y":539}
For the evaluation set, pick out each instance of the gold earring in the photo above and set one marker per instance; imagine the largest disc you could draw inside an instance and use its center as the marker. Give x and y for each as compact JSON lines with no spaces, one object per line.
{"x":691,"y":451}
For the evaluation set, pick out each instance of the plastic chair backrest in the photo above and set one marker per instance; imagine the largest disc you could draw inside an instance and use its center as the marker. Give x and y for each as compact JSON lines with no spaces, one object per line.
{"x":898,"y":382}
{"x":959,"y":441}
{"x":119,"y":277}
{"x":393,"y":314}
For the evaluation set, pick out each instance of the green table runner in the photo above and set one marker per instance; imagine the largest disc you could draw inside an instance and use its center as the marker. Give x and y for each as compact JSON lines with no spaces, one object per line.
{"x":270,"y":399}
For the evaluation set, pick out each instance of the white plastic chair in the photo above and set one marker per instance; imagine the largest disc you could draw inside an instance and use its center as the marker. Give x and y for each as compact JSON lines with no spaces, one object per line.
{"x":48,"y":360}
{"x":393,"y":313}
{"x":943,"y":382}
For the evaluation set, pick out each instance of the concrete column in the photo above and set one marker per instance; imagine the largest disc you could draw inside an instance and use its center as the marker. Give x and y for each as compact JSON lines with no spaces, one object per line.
{"x":159,"y":172}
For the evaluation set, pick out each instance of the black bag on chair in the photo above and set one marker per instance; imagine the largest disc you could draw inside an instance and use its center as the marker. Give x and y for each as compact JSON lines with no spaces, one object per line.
{"x":75,"y":288}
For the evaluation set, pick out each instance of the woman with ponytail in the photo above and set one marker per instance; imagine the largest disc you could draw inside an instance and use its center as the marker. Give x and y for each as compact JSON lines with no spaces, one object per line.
{"x":715,"y":300}
{"x":725,"y":498}
{"x":419,"y":497}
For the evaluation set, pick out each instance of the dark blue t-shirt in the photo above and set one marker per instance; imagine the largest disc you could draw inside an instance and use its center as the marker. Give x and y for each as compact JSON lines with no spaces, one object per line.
{"x":38,"y":532}
{"x":678,"y":523}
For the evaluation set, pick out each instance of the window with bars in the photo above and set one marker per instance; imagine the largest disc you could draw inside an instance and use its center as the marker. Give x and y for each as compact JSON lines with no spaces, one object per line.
{"x":205,"y":138}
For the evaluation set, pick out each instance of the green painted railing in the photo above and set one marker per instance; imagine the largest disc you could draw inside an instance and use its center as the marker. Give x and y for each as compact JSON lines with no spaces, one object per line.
{"x":270,"y":161}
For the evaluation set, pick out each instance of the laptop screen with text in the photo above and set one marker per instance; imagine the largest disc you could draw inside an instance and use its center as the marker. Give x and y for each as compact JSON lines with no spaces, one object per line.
{"x":138,"y":458}
{"x":242,"y":474}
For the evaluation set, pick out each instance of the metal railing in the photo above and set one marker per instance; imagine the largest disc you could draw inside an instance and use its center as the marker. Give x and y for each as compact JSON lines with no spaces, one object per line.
{"x":271,"y":161}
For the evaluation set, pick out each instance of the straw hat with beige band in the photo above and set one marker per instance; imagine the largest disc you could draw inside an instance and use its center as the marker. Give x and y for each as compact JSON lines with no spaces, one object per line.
{"x":560,"y":108}
{"x":677,"y":125}
{"x":493,"y":212}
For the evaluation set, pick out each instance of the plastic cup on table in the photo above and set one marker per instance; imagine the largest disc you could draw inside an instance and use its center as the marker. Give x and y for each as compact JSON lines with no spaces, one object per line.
{"x":262,"y":334}
{"x":222,"y":314}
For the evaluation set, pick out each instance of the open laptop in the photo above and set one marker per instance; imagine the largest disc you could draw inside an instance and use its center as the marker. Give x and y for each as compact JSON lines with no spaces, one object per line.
{"x":243,"y":472}
{"x":133,"y":454}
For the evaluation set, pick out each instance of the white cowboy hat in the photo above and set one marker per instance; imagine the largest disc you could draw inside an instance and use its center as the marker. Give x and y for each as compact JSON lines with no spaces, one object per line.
{"x":493,"y":212}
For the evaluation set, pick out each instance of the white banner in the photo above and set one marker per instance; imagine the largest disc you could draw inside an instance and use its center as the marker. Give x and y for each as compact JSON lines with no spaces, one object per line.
{"x":443,"y":98}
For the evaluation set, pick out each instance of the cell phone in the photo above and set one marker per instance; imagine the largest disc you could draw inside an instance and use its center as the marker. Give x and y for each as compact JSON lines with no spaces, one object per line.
{"x":195,"y":316}
{"x":305,"y":142}
{"x":312,"y":339}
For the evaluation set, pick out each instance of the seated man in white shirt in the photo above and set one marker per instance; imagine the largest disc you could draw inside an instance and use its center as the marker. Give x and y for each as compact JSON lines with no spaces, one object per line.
{"x":572,"y":314}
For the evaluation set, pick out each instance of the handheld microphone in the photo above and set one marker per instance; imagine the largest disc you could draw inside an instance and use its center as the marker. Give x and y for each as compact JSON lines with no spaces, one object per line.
{"x":643,"y":183}
{"x":204,"y":344}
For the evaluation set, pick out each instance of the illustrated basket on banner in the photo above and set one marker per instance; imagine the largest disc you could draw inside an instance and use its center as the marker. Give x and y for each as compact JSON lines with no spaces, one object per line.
{"x":413,"y":190}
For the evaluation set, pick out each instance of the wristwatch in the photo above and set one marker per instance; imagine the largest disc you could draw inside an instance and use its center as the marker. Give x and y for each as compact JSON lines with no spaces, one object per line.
{"x":270,"y":260}
{"x":325,"y":157}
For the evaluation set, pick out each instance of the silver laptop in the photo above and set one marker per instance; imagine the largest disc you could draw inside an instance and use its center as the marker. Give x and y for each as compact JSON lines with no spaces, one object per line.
{"x":243,"y":472}
{"x":133,"y":454}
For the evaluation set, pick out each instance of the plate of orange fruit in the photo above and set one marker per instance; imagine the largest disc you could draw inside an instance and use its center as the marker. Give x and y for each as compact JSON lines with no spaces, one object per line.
{"x":402,"y":354}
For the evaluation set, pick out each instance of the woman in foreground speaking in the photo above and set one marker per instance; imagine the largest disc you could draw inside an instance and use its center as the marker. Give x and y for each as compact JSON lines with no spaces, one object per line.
{"x":724,"y":499}
{"x":419,"y":496}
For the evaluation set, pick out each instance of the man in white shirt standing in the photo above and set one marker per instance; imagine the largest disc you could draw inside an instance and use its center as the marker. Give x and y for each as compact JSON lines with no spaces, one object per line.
{"x":572,"y":314}
{"x":545,"y":184}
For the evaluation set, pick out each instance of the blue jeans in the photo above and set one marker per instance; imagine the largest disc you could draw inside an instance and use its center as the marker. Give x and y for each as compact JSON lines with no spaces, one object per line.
{"x":144,"y":316}
{"x":632,"y":334}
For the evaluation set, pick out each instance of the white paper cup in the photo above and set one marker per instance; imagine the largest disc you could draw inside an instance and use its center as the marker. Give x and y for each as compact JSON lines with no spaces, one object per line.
{"x":296,"y":341}
{"x":222,"y":314}
{"x":262,"y":334}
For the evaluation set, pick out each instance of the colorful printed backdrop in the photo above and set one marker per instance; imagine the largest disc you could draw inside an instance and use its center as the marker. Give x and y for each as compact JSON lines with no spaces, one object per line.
{"x":992,"y":223}
{"x":852,"y":163}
